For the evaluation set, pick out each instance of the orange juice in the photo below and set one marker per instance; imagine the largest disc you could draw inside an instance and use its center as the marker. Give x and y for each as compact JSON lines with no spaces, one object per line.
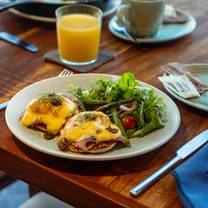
{"x":78,"y":37}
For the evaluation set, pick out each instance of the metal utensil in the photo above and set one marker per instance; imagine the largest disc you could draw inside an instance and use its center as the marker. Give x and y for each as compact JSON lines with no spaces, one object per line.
{"x":181,"y":154}
{"x":122,"y":29}
{"x":65,"y":72}
{"x":16,"y":41}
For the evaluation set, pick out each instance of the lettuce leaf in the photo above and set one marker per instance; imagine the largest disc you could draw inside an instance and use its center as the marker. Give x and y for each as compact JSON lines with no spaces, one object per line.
{"x":150,"y":113}
{"x":154,"y":123}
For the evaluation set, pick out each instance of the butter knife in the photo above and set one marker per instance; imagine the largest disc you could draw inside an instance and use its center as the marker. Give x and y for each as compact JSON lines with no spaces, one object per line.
{"x":181,"y":154}
{"x":15,"y":40}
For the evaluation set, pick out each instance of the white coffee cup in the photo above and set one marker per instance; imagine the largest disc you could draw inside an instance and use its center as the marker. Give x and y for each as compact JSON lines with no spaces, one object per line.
{"x":141,"y":18}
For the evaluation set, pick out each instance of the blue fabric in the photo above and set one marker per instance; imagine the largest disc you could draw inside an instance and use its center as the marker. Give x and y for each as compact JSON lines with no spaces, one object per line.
{"x":192,"y":180}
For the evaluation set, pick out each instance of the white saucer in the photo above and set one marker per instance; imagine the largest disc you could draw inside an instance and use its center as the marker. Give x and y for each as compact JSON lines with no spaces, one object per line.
{"x":109,"y":9}
{"x":167,"y":32}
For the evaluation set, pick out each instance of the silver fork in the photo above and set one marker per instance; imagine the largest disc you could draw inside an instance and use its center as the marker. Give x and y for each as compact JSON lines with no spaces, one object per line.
{"x":65,"y":72}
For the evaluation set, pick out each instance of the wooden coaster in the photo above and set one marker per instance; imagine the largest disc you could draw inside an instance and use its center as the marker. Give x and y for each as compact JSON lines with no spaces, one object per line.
{"x":103,"y":57}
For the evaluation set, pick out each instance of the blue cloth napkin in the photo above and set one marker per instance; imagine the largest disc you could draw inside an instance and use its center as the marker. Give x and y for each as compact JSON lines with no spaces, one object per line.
{"x":192,"y":180}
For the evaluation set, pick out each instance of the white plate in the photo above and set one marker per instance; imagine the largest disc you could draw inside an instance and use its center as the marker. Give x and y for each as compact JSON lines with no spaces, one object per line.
{"x":167,"y":32}
{"x":109,"y":9}
{"x":35,"y":139}
{"x":201,"y":72}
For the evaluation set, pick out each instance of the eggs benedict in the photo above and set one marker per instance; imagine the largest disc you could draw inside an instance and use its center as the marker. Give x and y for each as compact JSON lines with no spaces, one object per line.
{"x":89,"y":132}
{"x":48,"y":113}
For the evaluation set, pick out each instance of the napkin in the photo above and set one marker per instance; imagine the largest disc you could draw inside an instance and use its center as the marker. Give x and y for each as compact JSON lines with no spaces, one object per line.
{"x":178,"y":69}
{"x":192,"y":180}
{"x":103,"y":57}
{"x":172,"y":16}
{"x":178,"y":19}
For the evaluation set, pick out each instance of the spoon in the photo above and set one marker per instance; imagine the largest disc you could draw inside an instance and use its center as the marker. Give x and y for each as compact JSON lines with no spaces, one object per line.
{"x":122,"y":29}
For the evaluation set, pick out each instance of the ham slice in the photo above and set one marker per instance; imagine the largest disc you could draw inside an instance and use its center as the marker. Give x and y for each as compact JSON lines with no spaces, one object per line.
{"x":177,"y":69}
{"x":86,"y":144}
{"x":90,"y":144}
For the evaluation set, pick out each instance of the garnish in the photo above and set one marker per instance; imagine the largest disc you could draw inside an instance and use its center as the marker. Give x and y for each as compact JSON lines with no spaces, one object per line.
{"x":89,"y":117}
{"x":46,"y":102}
{"x":55,"y":99}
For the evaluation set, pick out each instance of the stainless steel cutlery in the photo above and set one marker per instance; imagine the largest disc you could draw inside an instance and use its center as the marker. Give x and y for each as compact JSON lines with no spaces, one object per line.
{"x":16,"y":41}
{"x":181,"y":154}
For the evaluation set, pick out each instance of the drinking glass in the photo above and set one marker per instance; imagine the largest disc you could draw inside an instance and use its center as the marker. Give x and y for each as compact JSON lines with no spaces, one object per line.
{"x":78,"y":33}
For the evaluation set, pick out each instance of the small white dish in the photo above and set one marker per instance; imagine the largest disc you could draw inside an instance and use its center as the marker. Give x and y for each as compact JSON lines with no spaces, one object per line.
{"x":167,"y":32}
{"x":36,"y":141}
{"x":110,"y":8}
{"x":201,"y":72}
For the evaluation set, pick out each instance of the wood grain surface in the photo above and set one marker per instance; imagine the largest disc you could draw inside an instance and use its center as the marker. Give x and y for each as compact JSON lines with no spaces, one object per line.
{"x":99,"y":184}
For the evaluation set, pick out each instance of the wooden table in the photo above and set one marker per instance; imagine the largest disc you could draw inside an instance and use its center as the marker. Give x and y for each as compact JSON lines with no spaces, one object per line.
{"x":99,"y":184}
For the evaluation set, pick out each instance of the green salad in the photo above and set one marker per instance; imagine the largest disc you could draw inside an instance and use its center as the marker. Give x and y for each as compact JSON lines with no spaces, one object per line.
{"x":135,"y":109}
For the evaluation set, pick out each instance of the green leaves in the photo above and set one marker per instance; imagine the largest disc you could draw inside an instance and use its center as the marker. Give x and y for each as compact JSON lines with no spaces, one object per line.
{"x":108,"y":96}
{"x":154,"y":123}
{"x":75,"y":90}
{"x":108,"y":90}
{"x":104,"y":89}
{"x":127,"y":85}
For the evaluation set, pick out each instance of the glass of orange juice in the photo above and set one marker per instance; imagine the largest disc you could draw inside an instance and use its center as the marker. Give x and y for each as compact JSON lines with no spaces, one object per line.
{"x":78,"y":33}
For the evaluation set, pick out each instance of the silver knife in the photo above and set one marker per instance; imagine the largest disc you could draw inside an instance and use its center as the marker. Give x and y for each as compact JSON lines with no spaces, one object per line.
{"x":15,"y":40}
{"x":181,"y":154}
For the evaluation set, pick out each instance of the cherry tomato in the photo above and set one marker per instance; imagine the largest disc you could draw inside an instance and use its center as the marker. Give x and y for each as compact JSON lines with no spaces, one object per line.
{"x":129,"y":122}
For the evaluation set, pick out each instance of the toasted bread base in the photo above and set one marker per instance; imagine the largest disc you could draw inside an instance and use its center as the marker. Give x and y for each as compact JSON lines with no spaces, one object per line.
{"x":65,"y":146}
